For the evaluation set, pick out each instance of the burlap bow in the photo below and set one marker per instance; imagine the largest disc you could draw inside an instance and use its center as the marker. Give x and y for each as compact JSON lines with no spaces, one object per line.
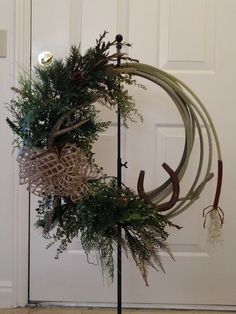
{"x":62,"y":174}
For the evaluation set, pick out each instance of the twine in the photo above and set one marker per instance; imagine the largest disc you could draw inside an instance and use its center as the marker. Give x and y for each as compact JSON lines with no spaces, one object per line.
{"x":62,"y":174}
{"x":214,"y":228}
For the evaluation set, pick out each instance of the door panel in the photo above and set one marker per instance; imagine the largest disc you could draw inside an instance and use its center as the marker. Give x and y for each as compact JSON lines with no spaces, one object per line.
{"x":191,"y":39}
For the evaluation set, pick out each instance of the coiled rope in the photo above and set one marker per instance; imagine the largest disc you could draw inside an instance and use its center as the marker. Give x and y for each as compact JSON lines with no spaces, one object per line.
{"x":194,"y":116}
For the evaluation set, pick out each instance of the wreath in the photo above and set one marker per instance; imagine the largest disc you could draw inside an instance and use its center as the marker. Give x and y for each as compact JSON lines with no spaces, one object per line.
{"x":55,"y":118}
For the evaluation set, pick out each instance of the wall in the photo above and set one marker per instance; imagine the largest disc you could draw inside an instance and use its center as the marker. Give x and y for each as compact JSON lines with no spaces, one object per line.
{"x":6,"y":160}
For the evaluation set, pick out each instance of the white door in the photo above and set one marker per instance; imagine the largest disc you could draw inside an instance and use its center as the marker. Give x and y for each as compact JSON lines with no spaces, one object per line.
{"x":193,"y":39}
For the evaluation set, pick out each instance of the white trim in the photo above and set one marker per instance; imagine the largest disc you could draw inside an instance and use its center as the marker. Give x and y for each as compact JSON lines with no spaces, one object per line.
{"x":22,"y":34}
{"x":5,"y":284}
{"x":75,"y":32}
{"x":122,"y":24}
{"x":6,"y":291}
{"x":20,"y":214}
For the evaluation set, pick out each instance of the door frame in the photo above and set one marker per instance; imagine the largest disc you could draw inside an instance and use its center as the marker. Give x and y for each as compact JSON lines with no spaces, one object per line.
{"x":22,"y":58}
{"x":23,"y":40}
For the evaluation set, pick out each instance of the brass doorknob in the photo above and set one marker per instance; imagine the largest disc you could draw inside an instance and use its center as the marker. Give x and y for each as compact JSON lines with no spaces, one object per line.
{"x":45,"y":58}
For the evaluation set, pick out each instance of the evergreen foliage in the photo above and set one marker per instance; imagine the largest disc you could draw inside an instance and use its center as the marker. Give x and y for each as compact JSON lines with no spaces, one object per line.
{"x":69,"y":89}
{"x":95,"y":221}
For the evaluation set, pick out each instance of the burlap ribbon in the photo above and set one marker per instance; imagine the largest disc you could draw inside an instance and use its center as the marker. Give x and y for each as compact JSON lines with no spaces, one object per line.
{"x":48,"y":172}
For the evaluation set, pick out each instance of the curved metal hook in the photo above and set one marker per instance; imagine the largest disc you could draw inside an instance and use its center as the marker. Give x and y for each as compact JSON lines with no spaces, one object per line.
{"x":175,"y":195}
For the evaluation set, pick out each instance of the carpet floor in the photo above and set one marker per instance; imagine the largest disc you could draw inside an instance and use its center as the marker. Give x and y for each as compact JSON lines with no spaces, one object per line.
{"x":100,"y":311}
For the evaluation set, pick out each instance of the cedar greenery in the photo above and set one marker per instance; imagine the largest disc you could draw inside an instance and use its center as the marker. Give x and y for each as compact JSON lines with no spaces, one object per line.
{"x":68,"y":89}
{"x":95,"y":221}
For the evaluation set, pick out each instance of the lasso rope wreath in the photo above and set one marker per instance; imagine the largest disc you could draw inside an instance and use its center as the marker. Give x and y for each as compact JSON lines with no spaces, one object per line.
{"x":55,"y":120}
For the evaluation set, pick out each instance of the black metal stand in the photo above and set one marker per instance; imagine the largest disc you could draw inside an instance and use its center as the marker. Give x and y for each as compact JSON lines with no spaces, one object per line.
{"x":119,"y":39}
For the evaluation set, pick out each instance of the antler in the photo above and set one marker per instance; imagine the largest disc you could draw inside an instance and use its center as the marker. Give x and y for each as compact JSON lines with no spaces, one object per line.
{"x":56,"y":131}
